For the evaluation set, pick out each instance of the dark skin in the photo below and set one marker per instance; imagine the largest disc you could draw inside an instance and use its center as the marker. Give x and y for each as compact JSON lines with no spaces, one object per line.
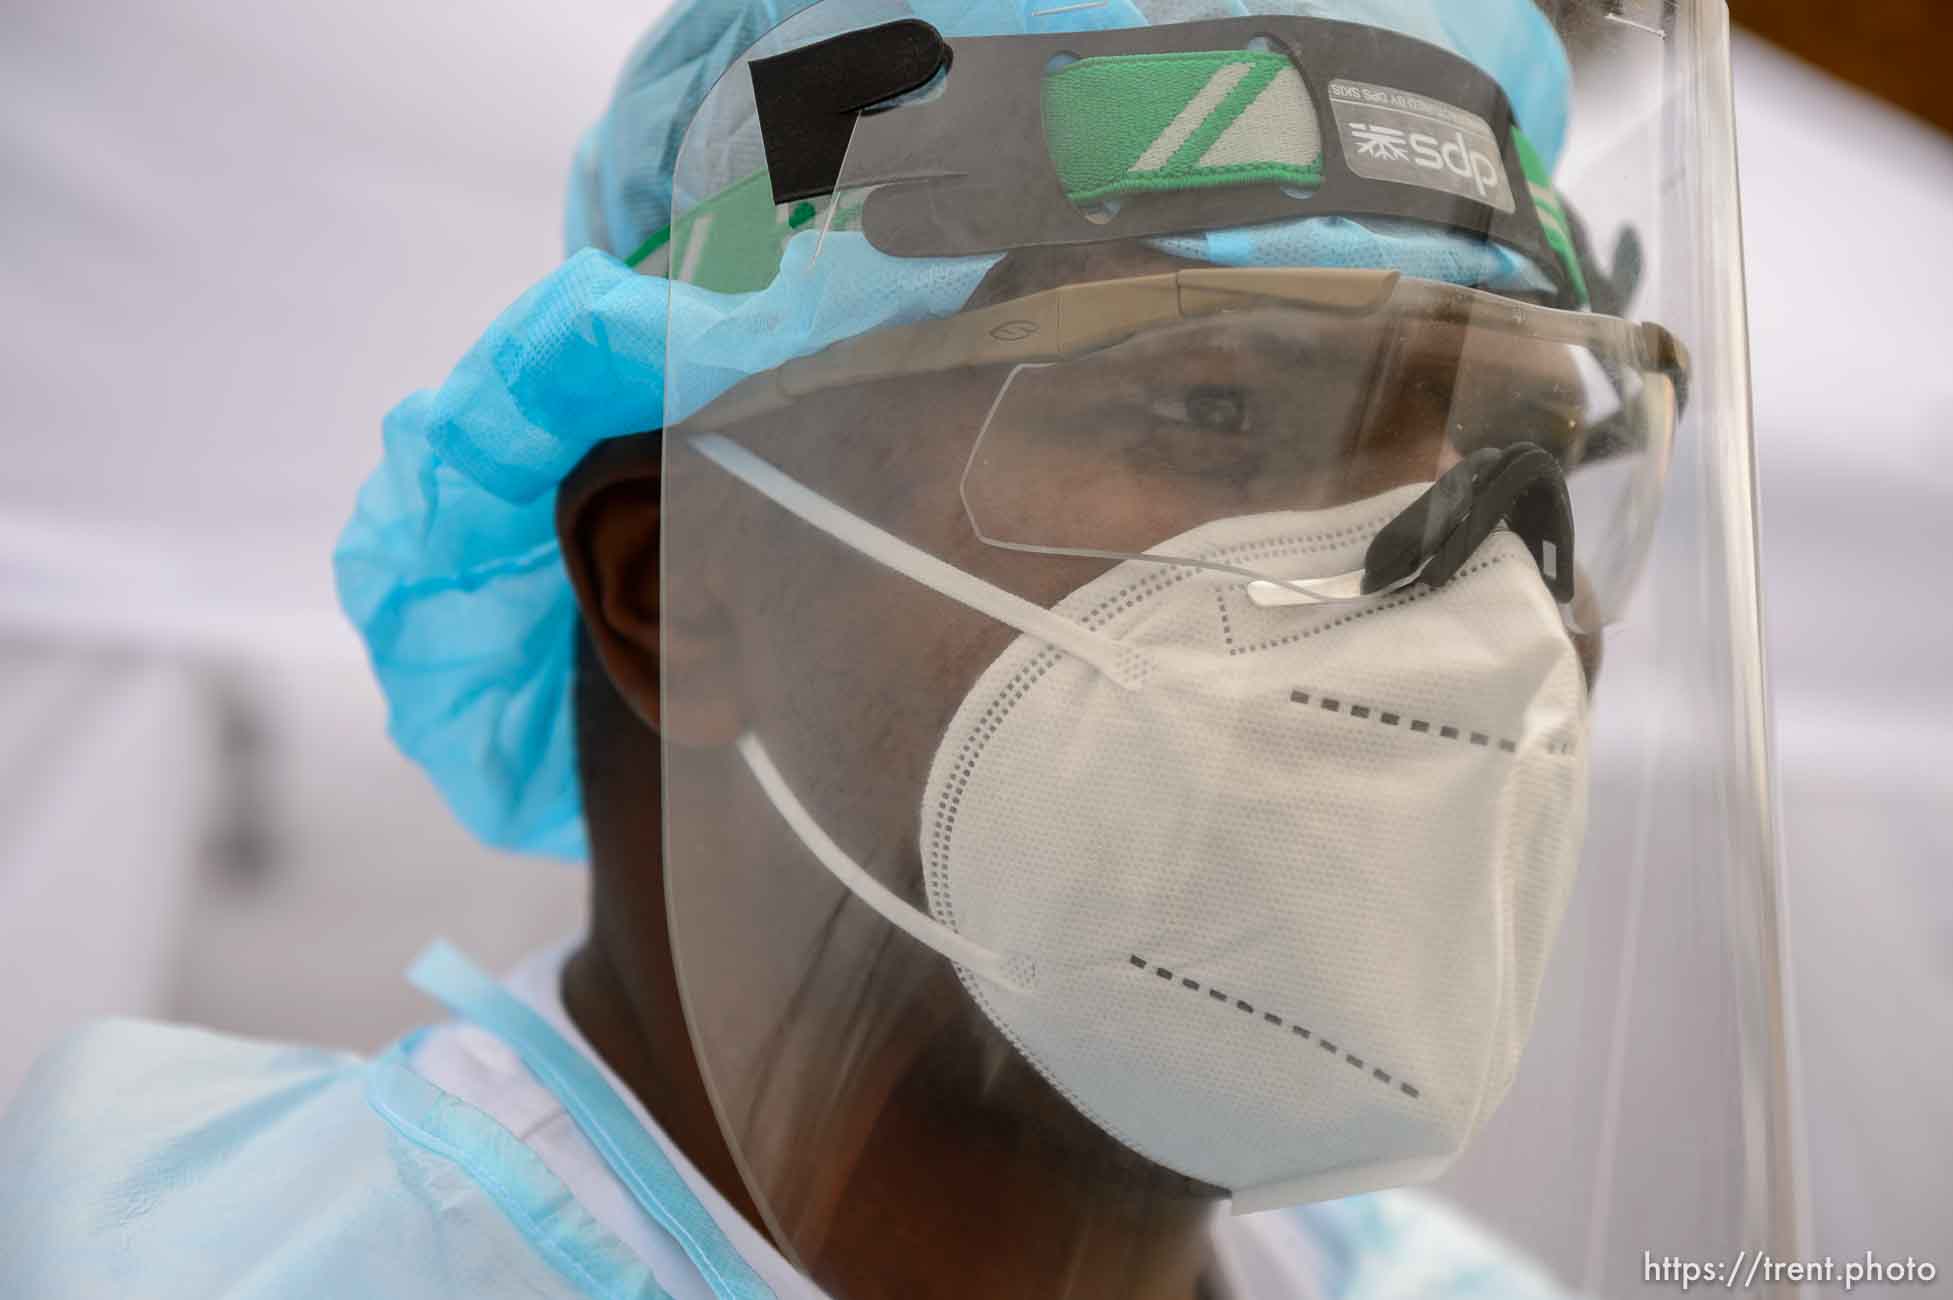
{"x":752,"y":634}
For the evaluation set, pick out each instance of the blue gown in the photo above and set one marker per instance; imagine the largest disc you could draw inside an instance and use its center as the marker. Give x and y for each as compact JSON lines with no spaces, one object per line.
{"x":146,"y":1160}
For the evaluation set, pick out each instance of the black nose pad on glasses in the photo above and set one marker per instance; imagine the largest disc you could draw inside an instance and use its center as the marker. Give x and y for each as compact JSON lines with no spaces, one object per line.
{"x":1521,"y":486}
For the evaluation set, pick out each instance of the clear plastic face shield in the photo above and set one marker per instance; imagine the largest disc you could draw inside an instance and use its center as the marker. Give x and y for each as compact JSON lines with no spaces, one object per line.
{"x":1144,"y":503}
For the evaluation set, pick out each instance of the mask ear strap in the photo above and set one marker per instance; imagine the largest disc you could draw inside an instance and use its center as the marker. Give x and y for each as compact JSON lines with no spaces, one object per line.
{"x":912,"y":921}
{"x":1121,"y":664}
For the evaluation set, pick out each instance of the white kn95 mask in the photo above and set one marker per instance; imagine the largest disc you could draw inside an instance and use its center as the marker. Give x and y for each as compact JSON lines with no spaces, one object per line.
{"x":1263,"y":888}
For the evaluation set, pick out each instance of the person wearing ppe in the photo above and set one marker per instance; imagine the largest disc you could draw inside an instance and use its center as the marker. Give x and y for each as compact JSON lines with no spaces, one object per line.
{"x":1052,"y":559}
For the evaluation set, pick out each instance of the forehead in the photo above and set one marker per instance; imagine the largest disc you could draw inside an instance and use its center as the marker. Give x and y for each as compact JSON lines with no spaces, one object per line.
{"x":943,"y":400}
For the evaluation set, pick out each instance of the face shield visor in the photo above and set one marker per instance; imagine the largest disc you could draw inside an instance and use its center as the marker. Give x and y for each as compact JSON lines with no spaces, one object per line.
{"x":1138,"y":541}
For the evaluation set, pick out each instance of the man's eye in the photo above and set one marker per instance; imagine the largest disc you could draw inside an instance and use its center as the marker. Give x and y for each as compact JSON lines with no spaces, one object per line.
{"x":1208,"y":408}
{"x":1208,"y":431}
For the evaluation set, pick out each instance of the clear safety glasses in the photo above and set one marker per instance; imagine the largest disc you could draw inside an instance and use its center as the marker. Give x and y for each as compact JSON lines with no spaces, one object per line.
{"x":1129,"y":412}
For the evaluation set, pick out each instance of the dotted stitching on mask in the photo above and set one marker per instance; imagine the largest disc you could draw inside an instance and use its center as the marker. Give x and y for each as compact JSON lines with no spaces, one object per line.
{"x":959,"y":778}
{"x":1444,"y":731}
{"x":1275,"y":1021}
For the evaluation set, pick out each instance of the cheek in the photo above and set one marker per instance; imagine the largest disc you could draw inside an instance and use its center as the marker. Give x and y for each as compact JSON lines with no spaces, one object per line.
{"x":848,"y":671}
{"x":851,"y":681}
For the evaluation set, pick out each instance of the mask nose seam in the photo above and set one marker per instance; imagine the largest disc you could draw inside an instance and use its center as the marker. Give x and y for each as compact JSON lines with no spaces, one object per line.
{"x":1275,"y":1021}
{"x":1378,"y":607}
{"x":1284,"y":547}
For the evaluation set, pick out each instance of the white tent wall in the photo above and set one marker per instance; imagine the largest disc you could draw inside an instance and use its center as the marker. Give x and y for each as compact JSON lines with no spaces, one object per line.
{"x":108,"y":761}
{"x":236,"y":234}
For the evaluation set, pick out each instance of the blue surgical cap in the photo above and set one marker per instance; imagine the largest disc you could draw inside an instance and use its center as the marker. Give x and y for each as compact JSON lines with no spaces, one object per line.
{"x":449,"y":567}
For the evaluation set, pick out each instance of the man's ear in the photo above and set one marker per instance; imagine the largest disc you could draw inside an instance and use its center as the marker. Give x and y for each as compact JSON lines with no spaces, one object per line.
{"x":607,"y":523}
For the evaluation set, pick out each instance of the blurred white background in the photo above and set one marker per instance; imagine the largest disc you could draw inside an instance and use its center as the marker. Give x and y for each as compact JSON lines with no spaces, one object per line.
{"x":234,"y":235}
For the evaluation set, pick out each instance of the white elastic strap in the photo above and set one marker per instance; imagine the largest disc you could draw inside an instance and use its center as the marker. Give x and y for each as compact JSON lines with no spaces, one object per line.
{"x":924,"y":929}
{"x":1119,"y":663}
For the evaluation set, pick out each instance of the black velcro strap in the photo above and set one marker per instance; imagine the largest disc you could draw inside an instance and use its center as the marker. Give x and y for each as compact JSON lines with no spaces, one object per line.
{"x":1521,"y":486}
{"x":808,"y":98}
